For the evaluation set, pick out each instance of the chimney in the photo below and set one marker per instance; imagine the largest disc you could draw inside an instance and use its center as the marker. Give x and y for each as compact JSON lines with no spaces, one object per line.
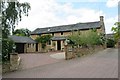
{"x":102,"y":24}
{"x":101,"y":19}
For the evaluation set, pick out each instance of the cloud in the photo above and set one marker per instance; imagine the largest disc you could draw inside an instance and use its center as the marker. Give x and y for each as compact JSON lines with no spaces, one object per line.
{"x":48,"y":13}
{"x":81,"y":1}
{"x":112,"y":3}
{"x":110,"y":23}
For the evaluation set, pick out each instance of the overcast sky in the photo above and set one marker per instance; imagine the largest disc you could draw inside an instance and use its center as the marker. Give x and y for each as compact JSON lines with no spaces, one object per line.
{"x":48,"y":13}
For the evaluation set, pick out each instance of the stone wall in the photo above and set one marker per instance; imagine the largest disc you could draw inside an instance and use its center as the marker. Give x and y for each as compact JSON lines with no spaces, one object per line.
{"x":79,"y":52}
{"x":49,"y":47}
{"x":5,"y":67}
{"x":90,"y":50}
{"x":11,"y":65}
{"x":14,"y":61}
{"x":29,"y":47}
{"x":69,"y":52}
{"x":33,"y":36}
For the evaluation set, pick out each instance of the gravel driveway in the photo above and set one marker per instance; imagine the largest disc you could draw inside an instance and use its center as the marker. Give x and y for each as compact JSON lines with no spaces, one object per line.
{"x":103,"y":64}
{"x":31,"y":60}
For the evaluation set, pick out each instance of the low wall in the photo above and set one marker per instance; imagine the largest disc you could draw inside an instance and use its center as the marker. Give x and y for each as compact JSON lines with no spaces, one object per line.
{"x":13,"y":64}
{"x":85,"y":51}
{"x":5,"y":67}
{"x":69,"y":52}
{"x":78,"y":52}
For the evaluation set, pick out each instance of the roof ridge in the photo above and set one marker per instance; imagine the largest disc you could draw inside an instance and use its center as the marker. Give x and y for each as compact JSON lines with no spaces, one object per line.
{"x":22,"y":39}
{"x":89,"y":22}
{"x":67,"y":25}
{"x":20,"y":36}
{"x":85,"y":25}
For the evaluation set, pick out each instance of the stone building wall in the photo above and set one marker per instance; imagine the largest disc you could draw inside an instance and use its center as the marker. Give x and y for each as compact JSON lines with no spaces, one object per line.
{"x":52,"y":47}
{"x":30,"y":48}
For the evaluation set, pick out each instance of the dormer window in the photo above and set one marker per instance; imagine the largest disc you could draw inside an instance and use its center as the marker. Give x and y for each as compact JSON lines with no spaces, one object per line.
{"x":52,"y":34}
{"x":48,"y":29}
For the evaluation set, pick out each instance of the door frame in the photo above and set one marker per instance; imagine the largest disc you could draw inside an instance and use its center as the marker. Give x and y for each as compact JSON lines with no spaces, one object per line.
{"x":20,"y":47}
{"x":59,"y":45}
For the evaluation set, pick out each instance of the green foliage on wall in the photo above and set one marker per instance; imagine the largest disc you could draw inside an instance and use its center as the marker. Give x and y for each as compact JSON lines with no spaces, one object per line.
{"x":43,"y":40}
{"x":6,"y":49}
{"x":110,"y":43}
{"x":116,"y":31}
{"x":90,"y":37}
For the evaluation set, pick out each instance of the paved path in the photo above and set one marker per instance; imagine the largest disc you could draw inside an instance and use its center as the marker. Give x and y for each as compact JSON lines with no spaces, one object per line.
{"x":101,"y":65}
{"x":58,"y":55}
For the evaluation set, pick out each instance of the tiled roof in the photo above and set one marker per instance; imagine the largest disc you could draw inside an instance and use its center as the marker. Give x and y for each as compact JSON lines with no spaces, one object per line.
{"x":21,"y":39}
{"x":62,"y":28}
{"x":58,"y":38}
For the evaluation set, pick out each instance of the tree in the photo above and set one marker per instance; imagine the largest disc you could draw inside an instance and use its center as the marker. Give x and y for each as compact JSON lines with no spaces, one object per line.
{"x":22,"y":32}
{"x":116,"y":31}
{"x":11,"y":15}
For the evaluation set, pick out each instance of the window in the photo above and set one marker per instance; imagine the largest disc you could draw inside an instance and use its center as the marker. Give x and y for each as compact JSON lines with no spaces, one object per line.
{"x":33,"y":45}
{"x":61,"y":33}
{"x":52,"y":34}
{"x":39,"y":34}
{"x":28,"y":45}
{"x":49,"y":42}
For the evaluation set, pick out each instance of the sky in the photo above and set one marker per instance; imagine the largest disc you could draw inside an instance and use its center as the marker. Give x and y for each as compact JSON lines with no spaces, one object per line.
{"x":48,"y":13}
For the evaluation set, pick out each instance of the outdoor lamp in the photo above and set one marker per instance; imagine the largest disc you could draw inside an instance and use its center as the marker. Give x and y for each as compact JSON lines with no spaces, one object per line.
{"x":14,"y":47}
{"x":65,"y":41}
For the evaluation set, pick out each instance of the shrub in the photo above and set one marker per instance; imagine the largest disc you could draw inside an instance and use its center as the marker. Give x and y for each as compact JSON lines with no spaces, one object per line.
{"x":93,"y":38}
{"x":110,"y":43}
{"x":89,"y":38}
{"x":7,"y":48}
